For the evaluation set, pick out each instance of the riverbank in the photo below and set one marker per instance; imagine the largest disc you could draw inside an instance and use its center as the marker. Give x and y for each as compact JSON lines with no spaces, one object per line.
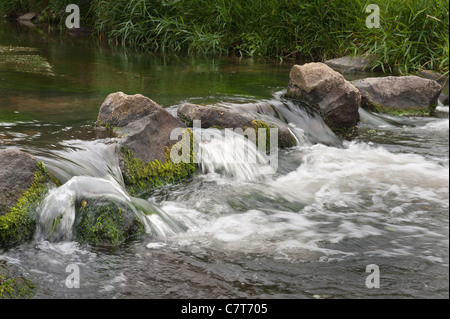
{"x":412,"y":35}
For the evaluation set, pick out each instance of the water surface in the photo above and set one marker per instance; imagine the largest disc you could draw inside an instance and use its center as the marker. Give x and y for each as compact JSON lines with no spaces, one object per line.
{"x":308,"y":229}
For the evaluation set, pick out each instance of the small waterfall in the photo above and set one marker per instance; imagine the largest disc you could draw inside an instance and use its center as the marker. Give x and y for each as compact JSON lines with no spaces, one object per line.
{"x":232,"y":155}
{"x":85,"y":158}
{"x":58,"y":216}
{"x":92,"y":171}
{"x":308,"y":122}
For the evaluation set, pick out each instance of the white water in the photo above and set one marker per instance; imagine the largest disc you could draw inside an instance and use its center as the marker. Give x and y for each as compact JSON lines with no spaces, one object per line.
{"x":328,"y":209}
{"x":329,"y":195}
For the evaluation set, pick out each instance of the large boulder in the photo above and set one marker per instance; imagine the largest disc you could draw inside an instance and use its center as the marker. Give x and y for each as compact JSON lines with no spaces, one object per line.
{"x":336,"y":99}
{"x":400,"y":95}
{"x":222,"y":117}
{"x":24,"y":182}
{"x":120,"y":109}
{"x":145,"y":130}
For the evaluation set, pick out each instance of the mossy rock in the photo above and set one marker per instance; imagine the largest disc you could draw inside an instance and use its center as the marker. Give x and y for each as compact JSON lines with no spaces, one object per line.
{"x":283,"y":140}
{"x":395,"y":111}
{"x":19,"y":223}
{"x":141,"y":177}
{"x":399,"y":95}
{"x":104,"y":221}
{"x":222,"y":118}
{"x":12,"y":287}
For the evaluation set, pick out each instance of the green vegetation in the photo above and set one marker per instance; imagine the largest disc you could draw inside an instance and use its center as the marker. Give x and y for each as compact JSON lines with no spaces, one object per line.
{"x":404,"y":111}
{"x":18,"y":225}
{"x":104,"y":221}
{"x":140,"y":176}
{"x":14,"y":287}
{"x":413,"y":34}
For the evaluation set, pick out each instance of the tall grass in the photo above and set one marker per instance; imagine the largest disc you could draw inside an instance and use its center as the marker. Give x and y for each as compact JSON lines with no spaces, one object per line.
{"x":413,"y":33}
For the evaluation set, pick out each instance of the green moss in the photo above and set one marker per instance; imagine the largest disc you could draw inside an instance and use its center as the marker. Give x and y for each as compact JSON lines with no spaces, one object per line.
{"x":283,"y":139}
{"x":107,"y":222}
{"x":18,"y":224}
{"x":14,"y":287}
{"x":140,"y":176}
{"x":185,"y":119}
{"x":405,"y":111}
{"x":346,"y":133}
{"x":110,"y":130}
{"x":262,"y":125}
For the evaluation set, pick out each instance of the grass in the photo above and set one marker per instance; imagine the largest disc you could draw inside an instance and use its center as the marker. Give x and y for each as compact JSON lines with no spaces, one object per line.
{"x":413,"y":34}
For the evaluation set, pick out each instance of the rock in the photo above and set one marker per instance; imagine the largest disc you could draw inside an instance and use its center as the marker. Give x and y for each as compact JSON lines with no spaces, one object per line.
{"x":349,"y":64}
{"x":326,"y":90}
{"x":24,"y":183}
{"x":80,"y":32}
{"x":442,"y":80}
{"x":28,"y":16}
{"x":12,"y":286}
{"x":401,"y":95}
{"x":104,"y":221}
{"x":120,"y":109}
{"x":145,"y":129}
{"x":17,"y":171}
{"x":27,"y":23}
{"x":144,"y":125}
{"x":222,"y":117}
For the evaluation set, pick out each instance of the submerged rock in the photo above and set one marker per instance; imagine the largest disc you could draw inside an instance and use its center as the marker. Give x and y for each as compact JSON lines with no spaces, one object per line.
{"x":146,"y":132}
{"x":23,"y":184}
{"x":14,"y":287}
{"x":24,"y":59}
{"x":401,"y":95}
{"x":222,"y":117}
{"x":103,"y":221}
{"x":336,"y":99}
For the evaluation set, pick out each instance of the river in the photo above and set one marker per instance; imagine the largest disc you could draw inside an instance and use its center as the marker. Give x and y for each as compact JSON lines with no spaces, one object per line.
{"x":309,"y":229}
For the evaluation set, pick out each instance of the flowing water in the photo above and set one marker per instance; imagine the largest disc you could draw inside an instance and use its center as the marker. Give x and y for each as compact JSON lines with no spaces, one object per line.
{"x":307,"y":227}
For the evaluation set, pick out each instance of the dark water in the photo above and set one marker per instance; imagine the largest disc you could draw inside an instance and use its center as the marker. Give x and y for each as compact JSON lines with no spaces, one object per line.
{"x":308,"y":230}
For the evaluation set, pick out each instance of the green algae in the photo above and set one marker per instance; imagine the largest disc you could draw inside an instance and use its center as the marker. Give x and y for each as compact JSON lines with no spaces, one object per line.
{"x":14,"y":287}
{"x":106,"y":222}
{"x":140,"y":176}
{"x":18,"y":224}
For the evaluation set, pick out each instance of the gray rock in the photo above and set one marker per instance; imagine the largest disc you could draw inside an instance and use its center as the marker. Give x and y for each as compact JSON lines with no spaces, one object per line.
{"x":149,"y":137}
{"x":28,"y":16}
{"x":17,"y":170}
{"x":144,"y":130}
{"x":222,"y":117}
{"x":120,"y":109}
{"x":442,"y":80}
{"x":349,"y":64}
{"x":399,"y":94}
{"x":144,"y":125}
{"x":336,"y":99}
